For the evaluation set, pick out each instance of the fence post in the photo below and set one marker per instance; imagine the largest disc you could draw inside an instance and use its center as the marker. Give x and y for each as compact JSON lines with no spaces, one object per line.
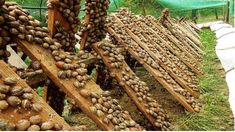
{"x":227,"y":12}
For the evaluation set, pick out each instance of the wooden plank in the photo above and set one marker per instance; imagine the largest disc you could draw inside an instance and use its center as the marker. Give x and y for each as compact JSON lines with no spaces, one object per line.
{"x":176,"y":53}
{"x":33,"y":80}
{"x":191,"y":28}
{"x":44,"y":93}
{"x":156,"y":74}
{"x":55,"y":15}
{"x":185,"y":32}
{"x":13,"y":116}
{"x":199,"y":50}
{"x":162,"y":52}
{"x":156,"y":57}
{"x":181,"y":37}
{"x":173,"y":39}
{"x":118,"y":76}
{"x":181,"y":81}
{"x":85,"y":34}
{"x":48,"y":65}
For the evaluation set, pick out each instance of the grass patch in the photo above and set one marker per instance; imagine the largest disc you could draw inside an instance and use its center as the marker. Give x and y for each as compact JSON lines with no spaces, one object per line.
{"x":215,"y":114}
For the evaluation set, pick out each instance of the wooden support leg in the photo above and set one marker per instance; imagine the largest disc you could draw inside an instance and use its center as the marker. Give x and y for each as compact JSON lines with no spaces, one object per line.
{"x":44,"y":93}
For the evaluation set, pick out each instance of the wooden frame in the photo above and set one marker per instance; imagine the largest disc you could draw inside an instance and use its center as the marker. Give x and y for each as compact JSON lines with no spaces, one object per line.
{"x":13,"y":116}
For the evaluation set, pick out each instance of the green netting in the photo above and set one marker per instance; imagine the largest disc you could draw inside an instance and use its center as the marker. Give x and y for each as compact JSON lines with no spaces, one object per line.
{"x":114,"y":4}
{"x":190,"y":4}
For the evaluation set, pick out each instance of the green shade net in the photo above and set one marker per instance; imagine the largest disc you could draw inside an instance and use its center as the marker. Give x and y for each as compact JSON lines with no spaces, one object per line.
{"x":181,"y":5}
{"x":190,"y":4}
{"x":114,"y":5}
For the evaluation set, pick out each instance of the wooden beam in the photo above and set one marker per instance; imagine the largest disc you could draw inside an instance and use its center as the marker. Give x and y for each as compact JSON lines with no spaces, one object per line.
{"x":186,"y":33}
{"x":13,"y":116}
{"x":156,"y":57}
{"x":129,"y":90}
{"x":38,"y":53}
{"x":177,"y":42}
{"x":182,"y":39}
{"x":176,"y":53}
{"x":91,"y":59}
{"x":181,"y":81}
{"x":156,"y":74}
{"x":55,"y":15}
{"x":118,"y":76}
{"x":44,"y":93}
{"x":170,"y":27}
{"x":85,"y":34}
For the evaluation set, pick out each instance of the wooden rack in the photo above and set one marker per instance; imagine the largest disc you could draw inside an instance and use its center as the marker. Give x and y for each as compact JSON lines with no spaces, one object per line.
{"x":38,"y":53}
{"x":155,"y":56}
{"x":13,"y":116}
{"x":156,"y":74}
{"x":118,"y":76}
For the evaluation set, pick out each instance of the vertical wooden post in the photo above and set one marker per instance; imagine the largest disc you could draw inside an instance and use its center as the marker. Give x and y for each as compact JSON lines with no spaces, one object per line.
{"x":216,"y":14}
{"x":227,"y":12}
{"x":233,"y":14}
{"x":44,"y":93}
{"x":194,"y":15}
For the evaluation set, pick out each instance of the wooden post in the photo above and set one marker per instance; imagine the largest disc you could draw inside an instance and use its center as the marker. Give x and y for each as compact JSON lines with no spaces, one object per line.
{"x":194,"y":15}
{"x":44,"y":93}
{"x":227,"y":12}
{"x":216,"y":14}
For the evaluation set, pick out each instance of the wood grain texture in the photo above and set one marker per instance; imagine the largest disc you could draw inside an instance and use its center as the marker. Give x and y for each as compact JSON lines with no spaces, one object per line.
{"x":38,"y":53}
{"x":156,"y":74}
{"x":55,"y":15}
{"x":155,"y":56}
{"x":118,"y":76}
{"x":14,"y":115}
{"x":85,"y":34}
{"x":195,"y":68}
{"x":174,"y":40}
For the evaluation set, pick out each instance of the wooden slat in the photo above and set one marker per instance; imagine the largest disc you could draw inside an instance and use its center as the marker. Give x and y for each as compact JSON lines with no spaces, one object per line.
{"x":189,"y":27}
{"x":162,"y":52}
{"x":182,"y":82}
{"x":180,"y":37}
{"x":55,"y":15}
{"x":185,"y":32}
{"x":179,"y":55}
{"x":37,"y":53}
{"x":190,"y":36}
{"x":13,"y":116}
{"x":176,"y":53}
{"x":156,"y":74}
{"x":118,"y":76}
{"x":89,"y":60}
{"x":156,"y":57}
{"x":84,"y":35}
{"x":175,"y":41}
{"x":44,"y":93}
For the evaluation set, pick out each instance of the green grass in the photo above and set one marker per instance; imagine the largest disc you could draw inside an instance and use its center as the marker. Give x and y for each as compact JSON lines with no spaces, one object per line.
{"x":215,"y":113}
{"x":40,"y":91}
